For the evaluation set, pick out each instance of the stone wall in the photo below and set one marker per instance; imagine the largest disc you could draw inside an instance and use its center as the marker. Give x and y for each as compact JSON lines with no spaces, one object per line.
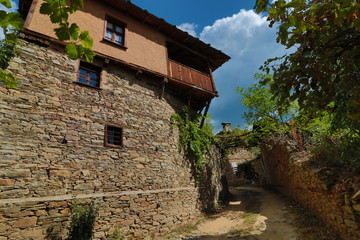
{"x":332,"y":194}
{"x":238,"y":157}
{"x":52,"y":151}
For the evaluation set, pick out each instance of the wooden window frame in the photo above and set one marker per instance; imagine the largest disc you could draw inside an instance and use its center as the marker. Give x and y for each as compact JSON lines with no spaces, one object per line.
{"x":116,"y":23}
{"x":106,"y":143}
{"x":91,"y":68}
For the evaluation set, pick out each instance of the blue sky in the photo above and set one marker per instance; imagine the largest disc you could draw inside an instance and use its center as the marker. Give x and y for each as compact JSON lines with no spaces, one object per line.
{"x":233,"y":27}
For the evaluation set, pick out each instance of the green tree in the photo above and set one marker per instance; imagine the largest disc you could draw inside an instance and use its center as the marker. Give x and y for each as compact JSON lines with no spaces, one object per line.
{"x":324,"y":71}
{"x":79,"y":43}
{"x":264,"y":112}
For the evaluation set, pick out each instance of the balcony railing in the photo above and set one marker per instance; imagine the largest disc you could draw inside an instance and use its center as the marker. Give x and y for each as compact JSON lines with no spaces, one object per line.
{"x":189,"y":75}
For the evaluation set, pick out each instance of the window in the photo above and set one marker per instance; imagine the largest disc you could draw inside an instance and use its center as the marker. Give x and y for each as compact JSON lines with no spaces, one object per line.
{"x":115,"y":31}
{"x":113,"y":136}
{"x":89,"y":74}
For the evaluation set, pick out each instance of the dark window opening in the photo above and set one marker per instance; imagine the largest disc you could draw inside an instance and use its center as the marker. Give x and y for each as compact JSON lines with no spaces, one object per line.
{"x":113,"y":136}
{"x":115,"y":31}
{"x":89,"y":75}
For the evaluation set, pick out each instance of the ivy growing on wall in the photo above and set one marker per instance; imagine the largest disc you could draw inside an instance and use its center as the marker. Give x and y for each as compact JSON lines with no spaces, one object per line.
{"x":194,"y":140}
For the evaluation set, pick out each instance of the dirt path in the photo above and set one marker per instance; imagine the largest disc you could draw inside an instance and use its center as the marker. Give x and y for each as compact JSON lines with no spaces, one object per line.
{"x":252,"y":214}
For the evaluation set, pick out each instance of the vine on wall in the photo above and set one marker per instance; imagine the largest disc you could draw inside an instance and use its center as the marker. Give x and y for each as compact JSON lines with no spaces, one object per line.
{"x":194,"y":141}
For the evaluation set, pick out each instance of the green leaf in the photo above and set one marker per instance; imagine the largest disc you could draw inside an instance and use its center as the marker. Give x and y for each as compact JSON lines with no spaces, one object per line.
{"x":62,"y":32}
{"x":59,"y":13}
{"x":8,"y":79}
{"x":3,"y":16}
{"x":46,"y":9}
{"x":89,"y":54}
{"x":6,"y":3}
{"x":86,"y":39}
{"x":76,"y":5}
{"x":10,"y":38}
{"x":80,"y":50}
{"x":58,"y":16}
{"x":74,"y":31}
{"x":72,"y":51}
{"x":15,"y":20}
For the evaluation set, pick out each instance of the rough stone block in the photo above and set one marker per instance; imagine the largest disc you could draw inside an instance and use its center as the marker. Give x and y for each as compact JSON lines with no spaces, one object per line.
{"x":6,"y":182}
{"x":41,"y":213}
{"x":4,"y":227}
{"x":125,"y":198}
{"x":15,"y":173}
{"x":32,"y":234}
{"x":25,"y":222}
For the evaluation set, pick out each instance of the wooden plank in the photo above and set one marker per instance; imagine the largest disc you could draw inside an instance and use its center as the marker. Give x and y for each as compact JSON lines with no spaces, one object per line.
{"x":190,"y":76}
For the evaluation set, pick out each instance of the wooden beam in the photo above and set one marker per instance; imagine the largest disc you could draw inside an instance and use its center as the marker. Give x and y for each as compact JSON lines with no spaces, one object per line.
{"x":189,"y":102}
{"x":212,"y":80}
{"x":138,"y":74}
{"x":205,"y":113}
{"x":162,"y":90}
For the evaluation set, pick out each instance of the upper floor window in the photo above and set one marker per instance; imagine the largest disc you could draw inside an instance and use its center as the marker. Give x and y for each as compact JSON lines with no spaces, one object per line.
{"x":115,"y":31}
{"x":89,"y":74}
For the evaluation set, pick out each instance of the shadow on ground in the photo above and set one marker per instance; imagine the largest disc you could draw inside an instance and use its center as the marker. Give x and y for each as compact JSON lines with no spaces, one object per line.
{"x":252,"y":214}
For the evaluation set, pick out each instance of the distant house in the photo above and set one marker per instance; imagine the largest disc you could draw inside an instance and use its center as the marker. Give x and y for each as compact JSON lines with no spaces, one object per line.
{"x":101,"y":131}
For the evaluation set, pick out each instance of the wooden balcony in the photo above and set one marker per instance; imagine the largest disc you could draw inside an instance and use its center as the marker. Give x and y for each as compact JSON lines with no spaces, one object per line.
{"x":190,"y":76}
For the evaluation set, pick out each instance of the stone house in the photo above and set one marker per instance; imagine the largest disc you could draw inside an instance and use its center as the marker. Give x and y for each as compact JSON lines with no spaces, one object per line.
{"x":101,"y":131}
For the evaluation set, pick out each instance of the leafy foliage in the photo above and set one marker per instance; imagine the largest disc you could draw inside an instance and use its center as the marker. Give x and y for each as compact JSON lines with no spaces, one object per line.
{"x":10,"y":22}
{"x":82,"y":221}
{"x":265,"y":113}
{"x":195,"y":141}
{"x":7,"y":52}
{"x":330,"y":145}
{"x":80,"y":42}
{"x":338,"y":151}
{"x":323,"y":73}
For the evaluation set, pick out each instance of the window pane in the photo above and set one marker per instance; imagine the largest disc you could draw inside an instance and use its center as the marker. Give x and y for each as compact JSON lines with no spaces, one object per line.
{"x":89,"y":77}
{"x":119,"y":29}
{"x":115,"y":31}
{"x":109,"y":25}
{"x":108,"y":34}
{"x":118,"y":39}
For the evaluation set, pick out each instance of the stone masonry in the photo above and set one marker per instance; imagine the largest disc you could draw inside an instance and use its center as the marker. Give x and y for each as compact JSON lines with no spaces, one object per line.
{"x":52,"y":151}
{"x":332,"y":196}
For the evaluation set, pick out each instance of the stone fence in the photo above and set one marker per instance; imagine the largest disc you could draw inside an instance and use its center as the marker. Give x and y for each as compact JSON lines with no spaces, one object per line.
{"x":334,"y":197}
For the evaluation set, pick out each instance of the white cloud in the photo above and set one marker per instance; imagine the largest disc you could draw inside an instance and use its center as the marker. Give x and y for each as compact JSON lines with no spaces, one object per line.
{"x":189,"y":28}
{"x":248,"y":40}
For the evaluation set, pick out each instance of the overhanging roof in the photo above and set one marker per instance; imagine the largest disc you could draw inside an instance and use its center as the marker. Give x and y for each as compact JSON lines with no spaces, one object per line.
{"x":215,"y":57}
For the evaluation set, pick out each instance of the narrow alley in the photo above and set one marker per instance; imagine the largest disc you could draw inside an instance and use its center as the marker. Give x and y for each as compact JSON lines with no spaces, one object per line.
{"x":256,"y":214}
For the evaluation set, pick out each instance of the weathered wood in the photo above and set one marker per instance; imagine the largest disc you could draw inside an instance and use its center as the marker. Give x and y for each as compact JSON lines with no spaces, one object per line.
{"x":191,"y":76}
{"x":163,"y":84}
{"x":205,"y":113}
